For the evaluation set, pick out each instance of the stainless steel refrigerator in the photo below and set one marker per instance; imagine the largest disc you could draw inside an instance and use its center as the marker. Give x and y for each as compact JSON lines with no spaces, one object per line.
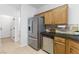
{"x":35,"y":27}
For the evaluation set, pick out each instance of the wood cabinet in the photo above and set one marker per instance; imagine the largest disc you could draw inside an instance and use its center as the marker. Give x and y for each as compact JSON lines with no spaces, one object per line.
{"x":60,"y":14}
{"x":59,"y":48}
{"x":57,"y":15}
{"x":74,"y":50}
{"x":49,"y":18}
{"x":42,"y":14}
{"x":59,"y":45}
{"x":74,"y":47}
{"x":65,"y":46}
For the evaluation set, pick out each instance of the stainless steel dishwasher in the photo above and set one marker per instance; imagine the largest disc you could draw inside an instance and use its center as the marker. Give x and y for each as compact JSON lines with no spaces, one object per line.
{"x":47,"y":44}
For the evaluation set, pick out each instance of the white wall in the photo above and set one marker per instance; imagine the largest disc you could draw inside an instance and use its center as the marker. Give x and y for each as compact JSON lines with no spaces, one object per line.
{"x":5,"y":22}
{"x":6,"y":9}
{"x":26,"y":12}
{"x":73,"y":14}
{"x":17,"y":26}
{"x":10,"y":10}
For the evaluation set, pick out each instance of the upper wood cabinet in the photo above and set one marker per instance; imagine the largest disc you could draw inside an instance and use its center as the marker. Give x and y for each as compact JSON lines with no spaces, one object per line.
{"x":42,"y":14}
{"x":60,"y":14}
{"x":56,"y":16}
{"x":49,"y":18}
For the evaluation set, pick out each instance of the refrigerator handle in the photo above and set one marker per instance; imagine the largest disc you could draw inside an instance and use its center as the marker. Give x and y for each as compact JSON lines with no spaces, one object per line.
{"x":29,"y":28}
{"x":32,"y":26}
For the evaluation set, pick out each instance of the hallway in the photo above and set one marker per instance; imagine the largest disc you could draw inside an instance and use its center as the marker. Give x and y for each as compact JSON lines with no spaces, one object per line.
{"x":9,"y":47}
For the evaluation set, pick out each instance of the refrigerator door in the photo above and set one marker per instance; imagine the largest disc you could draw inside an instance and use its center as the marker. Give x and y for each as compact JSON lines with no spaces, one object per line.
{"x":36,"y":24}
{"x":33,"y":43}
{"x":33,"y":27}
{"x":30,"y":20}
{"x":41,"y":24}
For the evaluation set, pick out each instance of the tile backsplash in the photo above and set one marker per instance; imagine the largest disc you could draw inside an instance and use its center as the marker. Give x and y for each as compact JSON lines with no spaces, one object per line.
{"x":73,"y":27}
{"x":69,"y":27}
{"x":50,"y":27}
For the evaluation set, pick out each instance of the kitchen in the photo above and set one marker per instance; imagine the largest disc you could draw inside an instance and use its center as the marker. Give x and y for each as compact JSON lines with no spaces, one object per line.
{"x":40,"y":28}
{"x":57,"y":36}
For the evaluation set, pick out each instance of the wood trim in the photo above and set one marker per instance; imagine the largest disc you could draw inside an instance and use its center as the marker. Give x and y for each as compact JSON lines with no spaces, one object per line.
{"x":60,"y":43}
{"x":74,"y":44}
{"x":59,"y":39}
{"x":74,"y":50}
{"x":67,"y":46}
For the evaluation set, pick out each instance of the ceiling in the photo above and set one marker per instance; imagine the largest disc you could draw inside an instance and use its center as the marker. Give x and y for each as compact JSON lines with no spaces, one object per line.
{"x":15,"y":5}
{"x":37,"y":5}
{"x":33,"y":5}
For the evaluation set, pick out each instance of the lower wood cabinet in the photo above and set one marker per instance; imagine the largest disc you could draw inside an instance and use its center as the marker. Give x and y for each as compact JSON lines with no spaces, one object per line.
{"x":74,"y":47}
{"x":74,"y":50}
{"x":59,"y":48}
{"x":59,"y":45}
{"x":66,"y":46}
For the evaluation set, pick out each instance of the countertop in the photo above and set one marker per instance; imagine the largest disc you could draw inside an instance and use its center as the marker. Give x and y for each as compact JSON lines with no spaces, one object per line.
{"x":48,"y":34}
{"x":67,"y":35}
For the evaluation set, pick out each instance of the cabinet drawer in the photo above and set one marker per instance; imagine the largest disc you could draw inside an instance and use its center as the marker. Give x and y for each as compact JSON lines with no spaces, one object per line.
{"x":74,"y":44}
{"x":59,"y":39}
{"x":59,"y":48}
{"x":74,"y":50}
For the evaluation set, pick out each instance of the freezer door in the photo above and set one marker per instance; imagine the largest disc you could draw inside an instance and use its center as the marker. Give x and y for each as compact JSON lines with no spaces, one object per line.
{"x":33,"y":43}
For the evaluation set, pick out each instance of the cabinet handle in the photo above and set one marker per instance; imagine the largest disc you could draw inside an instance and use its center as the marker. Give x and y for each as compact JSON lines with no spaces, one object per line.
{"x":74,"y":50}
{"x":60,"y":43}
{"x":74,"y":47}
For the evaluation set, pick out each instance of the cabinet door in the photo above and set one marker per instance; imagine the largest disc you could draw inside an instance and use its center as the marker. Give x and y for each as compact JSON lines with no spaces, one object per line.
{"x":51,"y":17}
{"x":74,"y":47}
{"x":59,"y":45}
{"x":47,"y":18}
{"x":74,"y":50}
{"x":59,"y":48}
{"x":59,"y":39}
{"x":60,"y":14}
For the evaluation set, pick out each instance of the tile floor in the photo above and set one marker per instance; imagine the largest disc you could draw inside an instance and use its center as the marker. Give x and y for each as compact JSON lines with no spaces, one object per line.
{"x":9,"y":47}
